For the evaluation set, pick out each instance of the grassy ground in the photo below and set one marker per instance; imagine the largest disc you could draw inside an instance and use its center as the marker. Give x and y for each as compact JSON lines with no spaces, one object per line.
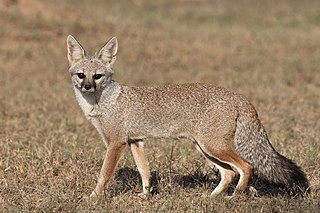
{"x":50,"y":155}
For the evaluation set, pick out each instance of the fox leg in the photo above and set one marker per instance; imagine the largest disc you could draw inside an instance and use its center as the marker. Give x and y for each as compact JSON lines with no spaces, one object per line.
{"x":142,"y":164}
{"x":244,"y":169}
{"x":109,"y":164}
{"x":227,"y":176}
{"x":225,"y":160}
{"x":226,"y":172}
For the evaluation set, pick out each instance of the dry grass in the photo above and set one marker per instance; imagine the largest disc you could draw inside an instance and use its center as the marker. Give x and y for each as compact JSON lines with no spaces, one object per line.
{"x":50,"y":156}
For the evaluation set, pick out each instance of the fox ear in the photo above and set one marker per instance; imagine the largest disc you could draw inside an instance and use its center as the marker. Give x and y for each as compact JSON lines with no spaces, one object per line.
{"x":109,"y":51}
{"x":75,"y":51}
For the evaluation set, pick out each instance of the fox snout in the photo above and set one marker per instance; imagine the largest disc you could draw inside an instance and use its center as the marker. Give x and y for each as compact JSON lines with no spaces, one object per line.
{"x":88,"y":86}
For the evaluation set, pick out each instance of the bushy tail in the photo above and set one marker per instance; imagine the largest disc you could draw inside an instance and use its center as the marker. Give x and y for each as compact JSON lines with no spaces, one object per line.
{"x":252,"y":143}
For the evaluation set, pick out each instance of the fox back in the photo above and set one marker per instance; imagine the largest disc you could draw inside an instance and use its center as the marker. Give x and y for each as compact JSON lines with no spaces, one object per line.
{"x":223,"y":125}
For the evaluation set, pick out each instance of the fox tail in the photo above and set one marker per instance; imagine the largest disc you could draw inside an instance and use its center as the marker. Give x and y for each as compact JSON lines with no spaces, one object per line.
{"x":252,"y":143}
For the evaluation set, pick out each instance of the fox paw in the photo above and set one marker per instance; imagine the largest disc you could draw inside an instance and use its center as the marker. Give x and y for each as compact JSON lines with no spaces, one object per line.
{"x":144,"y":195}
{"x":93,"y":195}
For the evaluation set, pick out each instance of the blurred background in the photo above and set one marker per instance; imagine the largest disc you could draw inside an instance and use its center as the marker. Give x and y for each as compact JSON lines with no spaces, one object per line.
{"x":268,"y":51}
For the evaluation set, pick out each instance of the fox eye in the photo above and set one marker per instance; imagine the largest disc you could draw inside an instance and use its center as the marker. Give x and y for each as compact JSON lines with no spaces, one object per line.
{"x":97,"y":76}
{"x":81,"y":75}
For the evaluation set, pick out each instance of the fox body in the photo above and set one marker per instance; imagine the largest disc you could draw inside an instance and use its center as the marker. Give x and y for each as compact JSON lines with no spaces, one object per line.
{"x":223,"y":125}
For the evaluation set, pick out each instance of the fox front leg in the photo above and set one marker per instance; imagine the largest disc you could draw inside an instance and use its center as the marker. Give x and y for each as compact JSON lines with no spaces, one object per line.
{"x":109,"y":164}
{"x":142,"y":164}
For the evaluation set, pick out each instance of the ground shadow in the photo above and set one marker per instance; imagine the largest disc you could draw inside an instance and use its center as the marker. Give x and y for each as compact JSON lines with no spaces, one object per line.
{"x":256,"y":187}
{"x":128,"y":180}
{"x":264,"y":189}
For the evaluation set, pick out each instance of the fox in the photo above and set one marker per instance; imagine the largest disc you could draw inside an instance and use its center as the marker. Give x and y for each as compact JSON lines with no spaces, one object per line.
{"x":223,"y":125}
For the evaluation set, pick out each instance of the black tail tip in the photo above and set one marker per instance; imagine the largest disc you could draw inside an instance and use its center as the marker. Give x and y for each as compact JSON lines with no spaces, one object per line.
{"x":296,"y":181}
{"x":299,"y":190}
{"x":299,"y":185}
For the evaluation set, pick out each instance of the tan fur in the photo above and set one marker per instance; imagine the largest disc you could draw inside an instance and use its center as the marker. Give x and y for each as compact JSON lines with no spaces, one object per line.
{"x":203,"y":113}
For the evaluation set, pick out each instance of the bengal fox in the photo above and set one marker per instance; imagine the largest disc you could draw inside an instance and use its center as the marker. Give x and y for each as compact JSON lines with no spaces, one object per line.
{"x":222,"y":124}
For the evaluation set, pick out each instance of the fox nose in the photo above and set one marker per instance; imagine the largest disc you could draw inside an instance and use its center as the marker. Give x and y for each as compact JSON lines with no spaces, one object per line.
{"x":87,"y":86}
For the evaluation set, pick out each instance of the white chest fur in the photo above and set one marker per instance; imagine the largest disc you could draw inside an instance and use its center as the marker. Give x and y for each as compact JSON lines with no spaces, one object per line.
{"x":88,"y":104}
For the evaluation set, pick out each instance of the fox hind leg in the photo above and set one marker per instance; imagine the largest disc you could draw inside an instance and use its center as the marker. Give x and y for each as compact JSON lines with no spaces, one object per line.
{"x":227,"y":161}
{"x":245,"y":171}
{"x":227,"y":176}
{"x":226,"y":172}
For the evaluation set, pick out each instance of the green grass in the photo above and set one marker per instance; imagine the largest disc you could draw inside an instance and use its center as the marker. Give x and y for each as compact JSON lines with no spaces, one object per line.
{"x":50,"y":156}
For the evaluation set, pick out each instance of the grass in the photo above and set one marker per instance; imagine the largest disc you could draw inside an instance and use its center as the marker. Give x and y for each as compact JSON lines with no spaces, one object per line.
{"x":50,"y":155}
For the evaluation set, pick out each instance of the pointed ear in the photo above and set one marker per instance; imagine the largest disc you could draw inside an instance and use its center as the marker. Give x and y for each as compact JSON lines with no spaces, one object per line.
{"x":75,"y":51}
{"x":108,"y":52}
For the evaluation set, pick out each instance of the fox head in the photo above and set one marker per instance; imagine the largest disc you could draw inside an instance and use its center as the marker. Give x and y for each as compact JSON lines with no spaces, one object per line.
{"x":91,"y":73}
